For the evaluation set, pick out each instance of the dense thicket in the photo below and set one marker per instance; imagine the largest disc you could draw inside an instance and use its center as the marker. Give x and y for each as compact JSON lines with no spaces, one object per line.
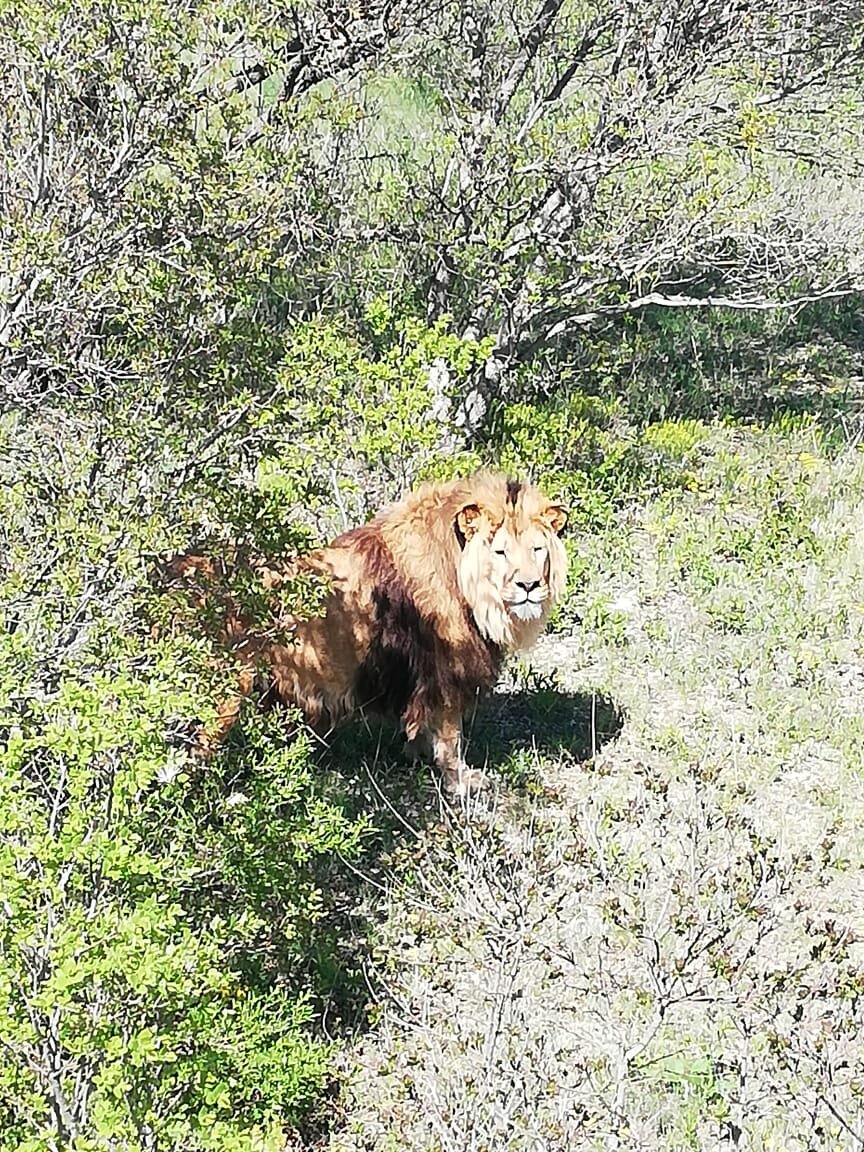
{"x":262,"y":267}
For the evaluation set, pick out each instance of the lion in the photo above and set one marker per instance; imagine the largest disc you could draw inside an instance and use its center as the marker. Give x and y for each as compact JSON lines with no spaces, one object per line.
{"x":422,"y":604}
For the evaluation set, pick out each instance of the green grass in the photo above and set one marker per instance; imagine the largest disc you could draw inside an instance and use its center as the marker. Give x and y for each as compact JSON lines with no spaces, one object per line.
{"x":648,"y":931}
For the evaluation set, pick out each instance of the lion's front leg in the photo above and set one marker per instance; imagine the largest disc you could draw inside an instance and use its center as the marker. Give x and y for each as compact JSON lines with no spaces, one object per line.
{"x":445,"y":734}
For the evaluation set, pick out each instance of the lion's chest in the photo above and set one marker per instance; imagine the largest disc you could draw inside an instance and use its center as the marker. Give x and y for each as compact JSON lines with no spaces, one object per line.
{"x":410,"y":656}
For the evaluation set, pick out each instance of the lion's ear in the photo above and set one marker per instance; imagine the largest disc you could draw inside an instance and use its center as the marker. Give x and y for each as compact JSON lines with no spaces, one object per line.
{"x":469,"y":520}
{"x":555,"y":517}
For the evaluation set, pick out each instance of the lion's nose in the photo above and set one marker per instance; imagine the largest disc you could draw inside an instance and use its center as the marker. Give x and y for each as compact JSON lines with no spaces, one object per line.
{"x":528,"y":585}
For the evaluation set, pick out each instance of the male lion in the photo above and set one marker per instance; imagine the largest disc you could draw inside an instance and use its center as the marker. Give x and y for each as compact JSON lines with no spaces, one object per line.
{"x":421,"y":606}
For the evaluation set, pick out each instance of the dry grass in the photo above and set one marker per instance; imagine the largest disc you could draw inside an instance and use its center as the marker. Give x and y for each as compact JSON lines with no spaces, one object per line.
{"x":660,"y":946}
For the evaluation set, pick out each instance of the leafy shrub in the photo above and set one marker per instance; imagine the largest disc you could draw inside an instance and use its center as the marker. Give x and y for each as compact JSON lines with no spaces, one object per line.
{"x":155,"y":915}
{"x":160,"y":920}
{"x":586,"y":450}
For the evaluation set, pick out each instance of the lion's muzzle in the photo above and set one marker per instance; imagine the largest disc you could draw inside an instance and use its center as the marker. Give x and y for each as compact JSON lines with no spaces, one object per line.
{"x":526,"y":609}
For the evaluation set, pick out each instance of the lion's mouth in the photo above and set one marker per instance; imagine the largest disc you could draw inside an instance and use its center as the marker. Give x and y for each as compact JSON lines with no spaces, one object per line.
{"x":525,"y":609}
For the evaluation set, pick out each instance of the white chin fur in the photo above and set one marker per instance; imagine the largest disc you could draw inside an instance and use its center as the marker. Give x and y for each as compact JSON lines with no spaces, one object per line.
{"x":526,"y":610}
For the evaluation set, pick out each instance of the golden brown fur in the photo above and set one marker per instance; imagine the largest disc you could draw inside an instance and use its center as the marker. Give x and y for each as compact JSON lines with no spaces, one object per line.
{"x":423,"y":604}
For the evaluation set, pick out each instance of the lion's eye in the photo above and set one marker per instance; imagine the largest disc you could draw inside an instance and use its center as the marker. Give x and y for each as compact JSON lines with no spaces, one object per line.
{"x":539,"y":548}
{"x":500,"y":551}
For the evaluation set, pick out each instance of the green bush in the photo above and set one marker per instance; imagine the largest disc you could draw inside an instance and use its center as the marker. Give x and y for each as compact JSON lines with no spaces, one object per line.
{"x":587,"y":451}
{"x":156,"y":914}
{"x":160,"y":920}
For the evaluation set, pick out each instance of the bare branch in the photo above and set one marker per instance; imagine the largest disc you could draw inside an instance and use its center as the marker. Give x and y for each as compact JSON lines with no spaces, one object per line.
{"x":740,"y":304}
{"x":545,"y":17}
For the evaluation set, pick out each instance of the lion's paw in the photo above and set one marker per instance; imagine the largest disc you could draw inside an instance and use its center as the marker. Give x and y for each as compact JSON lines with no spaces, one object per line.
{"x":462,"y":782}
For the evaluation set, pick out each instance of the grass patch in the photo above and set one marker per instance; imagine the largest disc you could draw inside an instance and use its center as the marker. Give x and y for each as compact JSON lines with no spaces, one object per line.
{"x":652,"y":938}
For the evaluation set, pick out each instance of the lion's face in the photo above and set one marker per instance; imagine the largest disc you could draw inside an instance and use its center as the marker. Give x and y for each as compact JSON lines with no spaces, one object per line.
{"x":513,"y":568}
{"x":519,"y":570}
